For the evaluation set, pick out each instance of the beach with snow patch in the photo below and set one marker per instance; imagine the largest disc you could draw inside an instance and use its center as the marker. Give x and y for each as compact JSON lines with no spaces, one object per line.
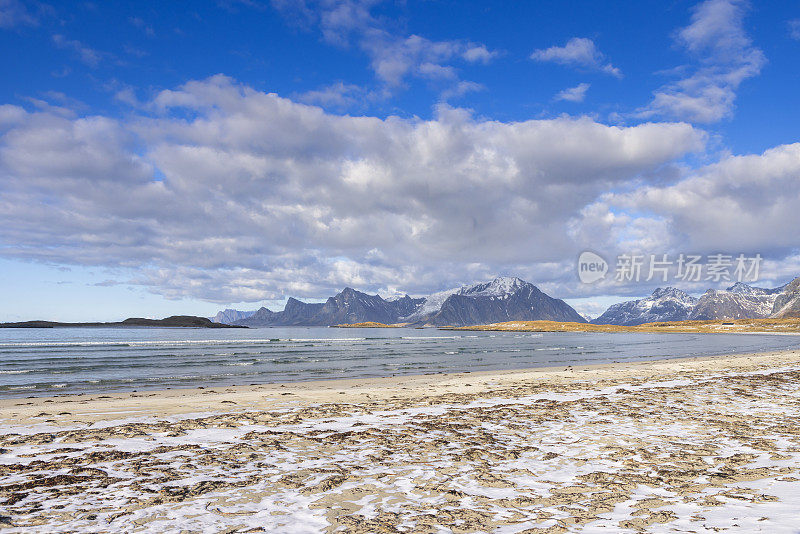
{"x":690,"y":445}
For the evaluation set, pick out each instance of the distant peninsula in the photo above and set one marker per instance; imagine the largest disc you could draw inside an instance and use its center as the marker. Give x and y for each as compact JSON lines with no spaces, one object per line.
{"x":184,"y":321}
{"x":368,"y":324}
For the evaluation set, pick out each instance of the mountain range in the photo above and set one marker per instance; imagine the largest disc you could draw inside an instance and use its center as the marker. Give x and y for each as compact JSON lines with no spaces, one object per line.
{"x":513,"y":299}
{"x":665,"y":304}
{"x":502,"y":299}
{"x":739,"y":301}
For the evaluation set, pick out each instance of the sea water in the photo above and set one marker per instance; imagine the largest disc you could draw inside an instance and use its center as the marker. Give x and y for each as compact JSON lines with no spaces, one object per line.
{"x":36,"y":362}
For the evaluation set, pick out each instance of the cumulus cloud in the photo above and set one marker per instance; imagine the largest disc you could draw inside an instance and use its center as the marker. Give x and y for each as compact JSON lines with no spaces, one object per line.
{"x":230,"y":194}
{"x":478,"y":54}
{"x":579,"y":51}
{"x":742,"y":204}
{"x":574,"y":94}
{"x":724,"y":58}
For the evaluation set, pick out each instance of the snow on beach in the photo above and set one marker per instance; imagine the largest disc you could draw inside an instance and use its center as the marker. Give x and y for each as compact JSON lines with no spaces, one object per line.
{"x":688,"y":451}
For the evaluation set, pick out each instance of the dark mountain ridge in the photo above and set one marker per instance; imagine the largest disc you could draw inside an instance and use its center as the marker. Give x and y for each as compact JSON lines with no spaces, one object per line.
{"x":502,"y":299}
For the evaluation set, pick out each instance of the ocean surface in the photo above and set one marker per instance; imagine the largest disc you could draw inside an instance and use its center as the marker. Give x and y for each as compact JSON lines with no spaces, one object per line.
{"x":37,"y":362}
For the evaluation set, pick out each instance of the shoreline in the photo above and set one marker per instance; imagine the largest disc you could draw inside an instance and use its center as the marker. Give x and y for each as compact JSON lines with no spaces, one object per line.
{"x":729,"y":326}
{"x":90,"y":408}
{"x":789,"y":325}
{"x":697,"y":444}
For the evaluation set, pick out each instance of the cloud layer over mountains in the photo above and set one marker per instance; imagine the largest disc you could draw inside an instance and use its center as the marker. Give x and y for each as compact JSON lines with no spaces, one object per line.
{"x":219,"y":191}
{"x":225,"y":193}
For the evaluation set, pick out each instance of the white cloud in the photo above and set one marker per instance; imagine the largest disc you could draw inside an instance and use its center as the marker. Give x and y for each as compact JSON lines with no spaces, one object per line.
{"x":461,"y":88}
{"x":724,"y":56}
{"x":579,"y":51}
{"x":127,"y":95}
{"x":142,"y":25}
{"x":741,"y":204}
{"x":393,"y":57}
{"x":574,"y":94}
{"x":478,"y":54}
{"x":339,"y":95}
{"x":257,"y":196}
{"x":794,"y":29}
{"x":87,"y":55}
{"x":435,"y":71}
{"x":14,"y":13}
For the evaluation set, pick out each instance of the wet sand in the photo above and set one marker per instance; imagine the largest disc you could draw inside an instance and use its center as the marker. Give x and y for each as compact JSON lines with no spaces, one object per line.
{"x":696,"y":444}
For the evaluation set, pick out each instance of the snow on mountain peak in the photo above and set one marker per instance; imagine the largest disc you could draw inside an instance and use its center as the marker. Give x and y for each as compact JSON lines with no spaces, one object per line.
{"x":432,"y":304}
{"x":745,"y":289}
{"x":499,"y":287}
{"x":670,"y":293}
{"x":739,"y":287}
{"x":664,"y":304}
{"x":661,"y":291}
{"x":504,"y":285}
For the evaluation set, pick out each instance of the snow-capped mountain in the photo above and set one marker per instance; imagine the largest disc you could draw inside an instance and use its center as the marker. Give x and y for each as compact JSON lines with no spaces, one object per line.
{"x":502,"y":287}
{"x":665,"y":304}
{"x":499,"y":287}
{"x":502,"y":299}
{"x":513,"y":299}
{"x":739,"y":301}
{"x":229,"y":316}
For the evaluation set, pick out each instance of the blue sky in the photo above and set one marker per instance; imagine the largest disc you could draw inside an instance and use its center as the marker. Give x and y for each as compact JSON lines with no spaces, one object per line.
{"x":161,"y":158}
{"x":90,"y":51}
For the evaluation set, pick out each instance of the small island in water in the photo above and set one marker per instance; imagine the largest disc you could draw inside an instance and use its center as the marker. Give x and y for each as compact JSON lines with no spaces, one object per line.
{"x":185,"y":321}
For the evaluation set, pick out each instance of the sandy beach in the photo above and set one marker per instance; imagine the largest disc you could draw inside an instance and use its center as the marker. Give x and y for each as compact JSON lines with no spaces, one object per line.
{"x":691,"y":445}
